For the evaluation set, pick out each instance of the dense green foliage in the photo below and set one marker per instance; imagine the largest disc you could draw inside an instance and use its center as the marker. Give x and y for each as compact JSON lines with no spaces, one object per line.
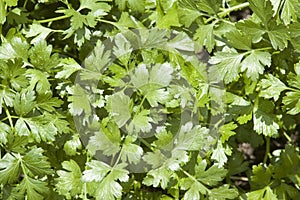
{"x":108,"y":99}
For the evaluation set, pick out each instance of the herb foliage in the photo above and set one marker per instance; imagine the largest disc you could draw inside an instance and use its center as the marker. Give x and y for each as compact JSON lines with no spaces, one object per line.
{"x":103,"y":99}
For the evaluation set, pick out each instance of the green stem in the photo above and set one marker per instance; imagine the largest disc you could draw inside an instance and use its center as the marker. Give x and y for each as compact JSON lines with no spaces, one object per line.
{"x":267,"y":153}
{"x":234,"y":8}
{"x":25,"y":3}
{"x":228,"y":10}
{"x":53,"y":19}
{"x":146,"y":143}
{"x":8,"y":116}
{"x":287,"y":137}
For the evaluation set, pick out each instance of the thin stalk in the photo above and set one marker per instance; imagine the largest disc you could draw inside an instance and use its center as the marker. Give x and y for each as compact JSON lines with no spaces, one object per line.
{"x":146,"y":143}
{"x":267,"y":153}
{"x":234,"y":8}
{"x":25,"y":4}
{"x":287,"y":137}
{"x":228,"y":10}
{"x":8,"y":116}
{"x":53,"y":19}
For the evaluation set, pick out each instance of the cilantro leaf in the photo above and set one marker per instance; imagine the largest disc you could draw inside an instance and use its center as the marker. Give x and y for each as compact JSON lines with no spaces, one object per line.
{"x":39,"y":32}
{"x":271,"y":87}
{"x":14,"y":48}
{"x":292,"y":102}
{"x":38,"y":80}
{"x":254,"y":64}
{"x":205,"y":37}
{"x":79,"y":101}
{"x":69,"y":180}
{"x":4,"y":131}
{"x":32,"y":188}
{"x":9,"y":169}
{"x":263,"y":9}
{"x":107,"y":140}
{"x":264,"y":121}
{"x":226,"y":66}
{"x":36,"y":163}
{"x":158,"y":177}
{"x":70,"y":66}
{"x":251,"y":28}
{"x":289,"y":11}
{"x":119,"y":105}
{"x":131,"y":152}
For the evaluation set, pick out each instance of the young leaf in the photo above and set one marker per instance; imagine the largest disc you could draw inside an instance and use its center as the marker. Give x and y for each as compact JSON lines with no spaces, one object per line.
{"x":119,"y":105}
{"x":36,"y":163}
{"x":9,"y":169}
{"x":271,"y":87}
{"x":226,"y":66}
{"x":255,"y":63}
{"x":264,"y":121}
{"x":69,"y":180}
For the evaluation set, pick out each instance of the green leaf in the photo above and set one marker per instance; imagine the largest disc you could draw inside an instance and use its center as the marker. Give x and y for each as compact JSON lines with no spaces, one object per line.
{"x":9,"y":169}
{"x":205,"y":36}
{"x":14,"y":48}
{"x":264,"y":121}
{"x":238,"y":40}
{"x":107,"y":140}
{"x":227,"y":131}
{"x":167,"y":18}
{"x":71,"y":146}
{"x":98,"y":170}
{"x":223,"y":192}
{"x":98,"y":59}
{"x":13,"y":74}
{"x":263,"y":9}
{"x":106,"y":178}
{"x":210,"y":176}
{"x":6,"y":97}
{"x":261,"y":177}
{"x":264,"y":194}
{"x":69,"y":67}
{"x":187,"y":16}
{"x":254,"y":30}
{"x":255,"y":63}
{"x":158,"y":177}
{"x":39,"y":32}
{"x":24,"y":102}
{"x":122,"y":49}
{"x":278,"y":36}
{"x":219,"y":155}
{"x":4,"y":131}
{"x":192,"y":138}
{"x":292,"y":102}
{"x":41,"y":58}
{"x":131,"y":152}
{"x":33,"y":189}
{"x":69,"y":180}
{"x":135,"y":5}
{"x":119,"y":106}
{"x":2,"y":12}
{"x":11,"y":2}
{"x":289,"y":11}
{"x":141,"y":122}
{"x":271,"y":87}
{"x":226,"y":66}
{"x":45,"y":102}
{"x":36,"y":164}
{"x":288,"y":165}
{"x":194,"y":189}
{"x":79,"y":101}
{"x":38,"y":80}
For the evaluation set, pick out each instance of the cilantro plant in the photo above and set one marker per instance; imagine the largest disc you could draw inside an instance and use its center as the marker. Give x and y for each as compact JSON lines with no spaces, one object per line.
{"x":149,"y":99}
